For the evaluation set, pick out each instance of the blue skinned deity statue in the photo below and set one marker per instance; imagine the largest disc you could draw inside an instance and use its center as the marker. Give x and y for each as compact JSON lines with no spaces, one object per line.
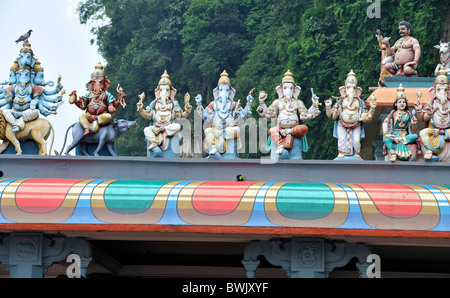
{"x":223,"y":113}
{"x":25,"y":98}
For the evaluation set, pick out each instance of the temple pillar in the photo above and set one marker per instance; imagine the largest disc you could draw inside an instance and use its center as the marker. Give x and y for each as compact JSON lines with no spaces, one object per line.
{"x":28,"y":255}
{"x":306,"y":258}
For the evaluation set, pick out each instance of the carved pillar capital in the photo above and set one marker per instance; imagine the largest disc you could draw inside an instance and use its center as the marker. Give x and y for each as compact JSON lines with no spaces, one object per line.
{"x":28,"y":255}
{"x":305,"y":258}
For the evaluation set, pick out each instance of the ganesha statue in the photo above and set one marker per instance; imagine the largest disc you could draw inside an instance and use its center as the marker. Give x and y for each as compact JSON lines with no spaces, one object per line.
{"x":26,"y":98}
{"x":163,"y":113}
{"x":99,"y":105}
{"x":350,"y":114}
{"x":222,"y":137}
{"x":97,"y":126}
{"x":288,"y":137}
{"x":436,"y":114}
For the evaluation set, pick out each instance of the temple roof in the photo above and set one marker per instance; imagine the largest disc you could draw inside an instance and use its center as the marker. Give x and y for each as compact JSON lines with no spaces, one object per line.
{"x":328,"y":198}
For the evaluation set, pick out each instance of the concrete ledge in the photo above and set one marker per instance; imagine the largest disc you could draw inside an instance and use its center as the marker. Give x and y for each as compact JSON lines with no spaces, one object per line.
{"x":142,"y":168}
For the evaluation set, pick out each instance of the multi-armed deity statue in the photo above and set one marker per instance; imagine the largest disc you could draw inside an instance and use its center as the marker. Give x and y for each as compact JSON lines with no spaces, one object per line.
{"x":400,"y":129}
{"x":436,"y":114}
{"x":288,"y":136}
{"x":349,"y":114}
{"x":223,"y":113}
{"x":162,"y":112}
{"x":25,"y":99}
{"x":97,"y":125}
{"x":403,"y":57}
{"x":99,"y":105}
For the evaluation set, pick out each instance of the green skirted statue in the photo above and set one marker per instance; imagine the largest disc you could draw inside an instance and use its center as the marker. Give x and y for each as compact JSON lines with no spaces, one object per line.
{"x":397,"y":128}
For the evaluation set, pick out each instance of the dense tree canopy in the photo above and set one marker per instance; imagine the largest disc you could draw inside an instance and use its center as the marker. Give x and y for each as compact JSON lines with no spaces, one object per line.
{"x":256,"y":42}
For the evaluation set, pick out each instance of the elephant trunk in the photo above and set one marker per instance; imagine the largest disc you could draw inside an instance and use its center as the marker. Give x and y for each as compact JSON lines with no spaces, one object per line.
{"x":251,"y":254}
{"x":351,"y":97}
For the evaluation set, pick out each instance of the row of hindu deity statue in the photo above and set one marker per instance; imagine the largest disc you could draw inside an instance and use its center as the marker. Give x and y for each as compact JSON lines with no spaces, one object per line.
{"x":27,"y":96}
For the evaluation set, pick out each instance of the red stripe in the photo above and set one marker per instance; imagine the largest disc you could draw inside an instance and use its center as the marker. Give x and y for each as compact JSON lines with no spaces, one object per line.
{"x":393,"y":200}
{"x":219,"y":197}
{"x":43,"y":195}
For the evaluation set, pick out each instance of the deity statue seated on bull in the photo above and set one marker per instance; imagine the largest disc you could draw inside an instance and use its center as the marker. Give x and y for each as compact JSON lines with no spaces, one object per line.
{"x":400,"y":130}
{"x":163,"y":133}
{"x":403,"y":57}
{"x":350,"y":113}
{"x":435,"y":137}
{"x":222,"y":137}
{"x":288,"y":138}
{"x":97,"y":127}
{"x":23,"y":101}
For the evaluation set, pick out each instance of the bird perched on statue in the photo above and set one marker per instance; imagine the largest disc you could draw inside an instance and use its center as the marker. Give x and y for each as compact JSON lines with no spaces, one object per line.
{"x":24,"y":37}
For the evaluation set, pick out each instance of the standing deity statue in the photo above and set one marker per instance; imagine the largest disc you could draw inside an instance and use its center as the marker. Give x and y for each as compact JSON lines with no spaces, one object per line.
{"x":436,"y":115}
{"x":290,"y":112}
{"x":99,"y":105}
{"x":405,"y":54}
{"x":162,"y":112}
{"x":223,"y":113}
{"x":349,"y":114}
{"x":400,"y":129}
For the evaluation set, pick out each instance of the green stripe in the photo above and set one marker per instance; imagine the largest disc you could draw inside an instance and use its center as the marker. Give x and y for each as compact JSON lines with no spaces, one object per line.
{"x":305,"y":200}
{"x":131,"y":197}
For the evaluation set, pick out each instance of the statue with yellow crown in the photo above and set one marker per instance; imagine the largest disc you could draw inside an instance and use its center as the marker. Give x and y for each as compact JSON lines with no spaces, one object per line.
{"x":97,"y":129}
{"x":350,"y":113}
{"x":162,"y":112}
{"x":400,"y":129}
{"x":99,"y":105}
{"x":436,"y":115}
{"x":288,"y":137}
{"x":222,"y":137}
{"x":24,"y":100}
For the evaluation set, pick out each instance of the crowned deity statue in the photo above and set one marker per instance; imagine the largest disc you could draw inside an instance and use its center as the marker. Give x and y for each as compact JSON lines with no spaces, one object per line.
{"x":99,"y":105}
{"x":436,"y":114}
{"x":162,"y":112}
{"x":25,"y":98}
{"x":349,"y":114}
{"x":400,"y":129}
{"x":290,"y":112}
{"x":403,"y":57}
{"x":223,"y":113}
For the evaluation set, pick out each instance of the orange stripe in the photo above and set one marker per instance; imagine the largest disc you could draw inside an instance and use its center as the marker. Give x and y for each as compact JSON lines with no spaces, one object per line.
{"x":305,"y":232}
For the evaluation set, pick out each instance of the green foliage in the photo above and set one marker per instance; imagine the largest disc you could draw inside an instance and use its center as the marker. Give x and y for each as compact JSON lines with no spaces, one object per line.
{"x":256,"y":42}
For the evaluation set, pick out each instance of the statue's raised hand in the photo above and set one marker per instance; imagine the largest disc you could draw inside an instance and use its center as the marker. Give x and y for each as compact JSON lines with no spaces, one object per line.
{"x":140,"y":104}
{"x":385,"y":41}
{"x":187,"y":99}
{"x":198,"y":100}
{"x":58,"y":88}
{"x":418,"y":105}
{"x":250,"y":99}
